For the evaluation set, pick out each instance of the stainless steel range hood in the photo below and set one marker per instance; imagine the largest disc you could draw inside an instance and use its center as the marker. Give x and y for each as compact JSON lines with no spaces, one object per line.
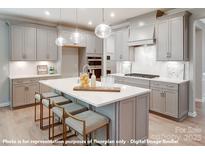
{"x":142,"y":30}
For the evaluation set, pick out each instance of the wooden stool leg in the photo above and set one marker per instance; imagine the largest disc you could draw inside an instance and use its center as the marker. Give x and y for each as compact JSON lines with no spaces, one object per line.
{"x":53,"y":126}
{"x":49,"y":123}
{"x":64,"y":133}
{"x":41,"y":115}
{"x":35,"y":111}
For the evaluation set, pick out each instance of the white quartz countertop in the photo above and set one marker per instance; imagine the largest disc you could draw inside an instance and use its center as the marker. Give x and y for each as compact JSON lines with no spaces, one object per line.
{"x":32,"y":76}
{"x":161,"y":79}
{"x":96,"y":99}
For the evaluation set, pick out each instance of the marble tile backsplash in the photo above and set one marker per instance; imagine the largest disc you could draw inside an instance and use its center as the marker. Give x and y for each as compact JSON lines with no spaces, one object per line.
{"x":18,"y":68}
{"x":145,"y":62}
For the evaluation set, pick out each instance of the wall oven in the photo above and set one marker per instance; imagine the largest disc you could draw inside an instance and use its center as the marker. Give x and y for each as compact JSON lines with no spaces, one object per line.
{"x":95,"y":63}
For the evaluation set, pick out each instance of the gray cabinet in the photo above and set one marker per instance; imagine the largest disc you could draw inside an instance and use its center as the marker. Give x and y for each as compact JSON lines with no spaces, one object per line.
{"x":23,"y":90}
{"x":46,"y":47}
{"x":166,"y":98}
{"x":132,"y":82}
{"x":172,"y":37}
{"x":23,"y":43}
{"x":67,"y":34}
{"x":23,"y":94}
{"x":121,"y":45}
{"x":133,"y":117}
{"x":94,"y":44}
{"x":19,"y":94}
{"x":127,"y":119}
{"x":157,"y":100}
{"x":171,"y":107}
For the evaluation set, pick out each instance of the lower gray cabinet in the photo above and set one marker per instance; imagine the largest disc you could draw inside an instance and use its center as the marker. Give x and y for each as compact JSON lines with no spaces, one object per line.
{"x":133,"y":113}
{"x":127,"y":119}
{"x":171,"y":107}
{"x":157,"y":100}
{"x":19,"y":94}
{"x":169,"y":99}
{"x":23,"y":90}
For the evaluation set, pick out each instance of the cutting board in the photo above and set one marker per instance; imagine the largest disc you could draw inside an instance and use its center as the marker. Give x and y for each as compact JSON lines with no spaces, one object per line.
{"x":100,"y":89}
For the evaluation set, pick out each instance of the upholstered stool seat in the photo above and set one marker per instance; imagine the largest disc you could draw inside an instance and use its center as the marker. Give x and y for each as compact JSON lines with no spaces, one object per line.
{"x":38,"y":96}
{"x":72,"y":108}
{"x":92,"y":120}
{"x":57,"y":100}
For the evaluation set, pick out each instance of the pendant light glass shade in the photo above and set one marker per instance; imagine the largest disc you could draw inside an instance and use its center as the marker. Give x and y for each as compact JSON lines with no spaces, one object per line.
{"x":76,"y":37}
{"x":103,"y":30}
{"x":60,"y":41}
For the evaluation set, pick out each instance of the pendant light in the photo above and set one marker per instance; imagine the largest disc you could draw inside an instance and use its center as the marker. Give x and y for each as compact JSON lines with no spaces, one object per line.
{"x":76,"y":37}
{"x":60,"y":41}
{"x":103,"y":30}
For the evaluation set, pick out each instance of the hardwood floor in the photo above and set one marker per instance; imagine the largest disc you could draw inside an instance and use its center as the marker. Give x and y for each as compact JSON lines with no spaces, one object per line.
{"x":19,"y":124}
{"x":188,"y":132}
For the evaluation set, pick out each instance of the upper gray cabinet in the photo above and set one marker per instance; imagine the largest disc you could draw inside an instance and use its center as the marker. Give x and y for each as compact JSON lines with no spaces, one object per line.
{"x":172,"y":37}
{"x":23,"y":43}
{"x":94,"y":44}
{"x":121,"y":45}
{"x":67,"y":34}
{"x":46,"y":47}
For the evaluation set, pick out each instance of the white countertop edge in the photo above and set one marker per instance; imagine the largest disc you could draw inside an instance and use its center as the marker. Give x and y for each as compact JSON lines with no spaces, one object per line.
{"x":103,"y":104}
{"x":33,"y":76}
{"x":160,"y":79}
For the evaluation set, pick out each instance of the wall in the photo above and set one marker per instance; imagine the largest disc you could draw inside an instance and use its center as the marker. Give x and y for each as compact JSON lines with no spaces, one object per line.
{"x":4,"y":65}
{"x":70,"y":62}
{"x":198,"y":48}
{"x":18,"y":68}
{"x":145,"y":62}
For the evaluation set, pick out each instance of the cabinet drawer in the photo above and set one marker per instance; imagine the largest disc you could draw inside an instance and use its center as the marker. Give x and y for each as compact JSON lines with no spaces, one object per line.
{"x":25,"y":81}
{"x":137,"y":81}
{"x":164,"y":85}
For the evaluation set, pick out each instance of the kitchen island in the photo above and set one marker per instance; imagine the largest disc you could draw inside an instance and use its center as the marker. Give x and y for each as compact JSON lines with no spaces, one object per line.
{"x":127,"y":109}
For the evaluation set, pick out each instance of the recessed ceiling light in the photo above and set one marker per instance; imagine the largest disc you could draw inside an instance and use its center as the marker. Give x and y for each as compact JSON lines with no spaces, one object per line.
{"x":47,"y":13}
{"x":112,"y":14}
{"x":90,"y":23}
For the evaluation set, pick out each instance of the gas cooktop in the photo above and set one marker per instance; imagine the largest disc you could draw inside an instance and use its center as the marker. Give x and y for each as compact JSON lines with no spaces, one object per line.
{"x":150,"y":76}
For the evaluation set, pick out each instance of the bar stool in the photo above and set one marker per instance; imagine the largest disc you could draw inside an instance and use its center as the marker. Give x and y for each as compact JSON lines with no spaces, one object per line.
{"x":85,"y":123}
{"x":38,"y":99}
{"x":48,"y":103}
{"x":59,"y":110}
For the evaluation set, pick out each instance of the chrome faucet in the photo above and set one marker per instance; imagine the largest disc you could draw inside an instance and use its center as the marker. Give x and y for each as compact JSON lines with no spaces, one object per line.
{"x":86,"y":67}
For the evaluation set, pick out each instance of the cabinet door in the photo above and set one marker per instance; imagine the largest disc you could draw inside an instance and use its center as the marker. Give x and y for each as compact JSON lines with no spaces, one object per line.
{"x":90,"y":48}
{"x":157,"y":101}
{"x":18,"y":95}
{"x":30,"y":93}
{"x":30,"y":43}
{"x":42,"y":47}
{"x":17,"y":45}
{"x":171,"y":108}
{"x":176,"y":38}
{"x":121,"y":45}
{"x":125,"y":48}
{"x":52,"y":47}
{"x":118,"y":45}
{"x":163,"y":40}
{"x":110,"y":44}
{"x":127,"y":119}
{"x":98,"y":45}
{"x":142,"y":115}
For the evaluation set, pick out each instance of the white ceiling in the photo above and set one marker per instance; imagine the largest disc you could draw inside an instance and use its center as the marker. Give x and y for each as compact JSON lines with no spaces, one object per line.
{"x":84,"y":14}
